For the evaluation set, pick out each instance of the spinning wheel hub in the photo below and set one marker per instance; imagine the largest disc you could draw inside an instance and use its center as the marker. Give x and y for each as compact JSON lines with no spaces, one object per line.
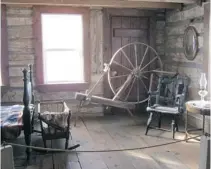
{"x":136,"y":72}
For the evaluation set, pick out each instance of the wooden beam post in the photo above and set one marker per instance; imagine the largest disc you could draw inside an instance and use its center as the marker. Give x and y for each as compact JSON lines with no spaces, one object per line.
{"x":206,"y":47}
{"x":97,"y":3}
{"x":204,"y":162}
{"x":169,"y":1}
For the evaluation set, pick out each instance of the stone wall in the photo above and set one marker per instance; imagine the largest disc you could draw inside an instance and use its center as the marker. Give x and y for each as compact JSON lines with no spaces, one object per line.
{"x":21,"y":53}
{"x":176,"y":23}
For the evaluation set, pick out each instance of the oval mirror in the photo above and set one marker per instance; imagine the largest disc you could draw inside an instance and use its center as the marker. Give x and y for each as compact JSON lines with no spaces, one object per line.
{"x":190,"y":43}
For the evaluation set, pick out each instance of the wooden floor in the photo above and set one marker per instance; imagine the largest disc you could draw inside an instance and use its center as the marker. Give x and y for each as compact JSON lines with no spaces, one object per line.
{"x":116,"y":132}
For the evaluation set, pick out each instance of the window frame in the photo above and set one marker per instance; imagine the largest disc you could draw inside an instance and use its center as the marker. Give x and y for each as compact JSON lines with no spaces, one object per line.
{"x":4,"y":48}
{"x":37,"y":30}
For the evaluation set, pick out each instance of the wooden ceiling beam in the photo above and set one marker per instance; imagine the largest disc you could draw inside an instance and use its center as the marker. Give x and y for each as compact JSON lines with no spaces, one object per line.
{"x":96,"y":3}
{"x":167,"y":1}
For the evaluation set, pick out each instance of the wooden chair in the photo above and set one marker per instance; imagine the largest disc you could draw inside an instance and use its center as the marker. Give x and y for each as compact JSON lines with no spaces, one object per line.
{"x":55,"y":124}
{"x":169,"y":98}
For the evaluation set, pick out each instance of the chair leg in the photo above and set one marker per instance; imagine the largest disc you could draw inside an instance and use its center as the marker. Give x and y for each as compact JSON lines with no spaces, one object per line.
{"x":71,"y":136}
{"x":159,"y":120}
{"x":173,"y":128}
{"x":52,"y":155}
{"x":148,"y":123}
{"x":176,"y":123}
{"x":44,"y":142}
{"x":67,"y":141}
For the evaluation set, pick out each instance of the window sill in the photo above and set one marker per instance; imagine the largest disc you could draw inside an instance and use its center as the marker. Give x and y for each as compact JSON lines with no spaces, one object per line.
{"x":74,"y":87}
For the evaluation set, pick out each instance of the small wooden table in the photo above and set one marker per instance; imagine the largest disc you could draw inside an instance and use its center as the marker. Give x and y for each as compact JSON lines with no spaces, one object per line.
{"x":197,"y":107}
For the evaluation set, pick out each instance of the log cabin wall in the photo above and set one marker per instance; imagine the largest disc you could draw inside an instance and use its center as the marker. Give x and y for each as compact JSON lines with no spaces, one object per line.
{"x":22,"y":53}
{"x":174,"y":58}
{"x":160,"y":33}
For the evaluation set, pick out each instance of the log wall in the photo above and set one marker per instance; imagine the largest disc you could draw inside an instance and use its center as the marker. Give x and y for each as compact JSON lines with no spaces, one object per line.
{"x":21,"y":53}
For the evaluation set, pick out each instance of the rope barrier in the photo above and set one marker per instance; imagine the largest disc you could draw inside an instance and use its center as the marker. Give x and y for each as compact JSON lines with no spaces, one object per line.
{"x":99,"y":151}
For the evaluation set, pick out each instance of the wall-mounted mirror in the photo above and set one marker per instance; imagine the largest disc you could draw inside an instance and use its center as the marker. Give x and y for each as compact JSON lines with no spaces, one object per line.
{"x":190,"y":43}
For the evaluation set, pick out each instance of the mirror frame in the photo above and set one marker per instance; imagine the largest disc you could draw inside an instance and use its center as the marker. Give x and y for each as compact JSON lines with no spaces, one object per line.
{"x":195,"y":45}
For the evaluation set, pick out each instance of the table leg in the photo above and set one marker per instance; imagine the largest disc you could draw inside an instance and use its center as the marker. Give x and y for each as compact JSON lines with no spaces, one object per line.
{"x":186,"y":125}
{"x":203,"y":124}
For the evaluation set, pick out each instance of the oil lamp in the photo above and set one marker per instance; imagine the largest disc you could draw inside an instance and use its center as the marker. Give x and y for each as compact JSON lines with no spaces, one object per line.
{"x":203,"y":85}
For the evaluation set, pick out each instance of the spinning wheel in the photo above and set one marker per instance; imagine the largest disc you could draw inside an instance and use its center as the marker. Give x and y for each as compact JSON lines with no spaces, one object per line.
{"x":133,"y":72}
{"x":128,"y":77}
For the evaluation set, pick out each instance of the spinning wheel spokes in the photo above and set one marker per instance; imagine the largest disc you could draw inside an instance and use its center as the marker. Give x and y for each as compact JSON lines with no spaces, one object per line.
{"x":142,"y":68}
{"x":138,"y":67}
{"x":143,"y":57}
{"x":113,"y":77}
{"x":122,"y":66}
{"x":127,"y":58}
{"x":130,"y":90}
{"x":138,"y":89}
{"x":144,"y":76}
{"x":144,"y":85}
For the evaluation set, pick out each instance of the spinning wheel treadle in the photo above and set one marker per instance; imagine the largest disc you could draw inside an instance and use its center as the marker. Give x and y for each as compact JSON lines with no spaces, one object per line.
{"x":132,"y":69}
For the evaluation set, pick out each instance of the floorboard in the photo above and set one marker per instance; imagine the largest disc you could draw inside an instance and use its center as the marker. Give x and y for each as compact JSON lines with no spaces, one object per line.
{"x":114,"y":132}
{"x":167,"y":160}
{"x":86,"y":160}
{"x":113,"y":160}
{"x":138,"y":159}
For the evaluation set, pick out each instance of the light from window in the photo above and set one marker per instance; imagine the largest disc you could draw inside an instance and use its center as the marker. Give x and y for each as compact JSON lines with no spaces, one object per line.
{"x":62,"y":40}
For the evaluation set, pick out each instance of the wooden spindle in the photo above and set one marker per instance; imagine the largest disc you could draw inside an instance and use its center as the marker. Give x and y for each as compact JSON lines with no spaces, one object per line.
{"x":31,"y":80}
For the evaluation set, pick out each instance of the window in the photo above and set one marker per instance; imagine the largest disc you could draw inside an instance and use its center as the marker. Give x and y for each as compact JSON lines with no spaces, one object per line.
{"x":4,"y":75}
{"x":61,"y":48}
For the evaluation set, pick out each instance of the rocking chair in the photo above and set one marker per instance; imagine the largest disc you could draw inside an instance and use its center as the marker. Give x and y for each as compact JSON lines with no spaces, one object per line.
{"x":169,"y":98}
